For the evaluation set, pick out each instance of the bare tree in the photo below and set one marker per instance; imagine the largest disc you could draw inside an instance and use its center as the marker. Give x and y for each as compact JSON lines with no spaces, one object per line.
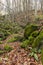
{"x":8,"y":9}
{"x":1,"y":7}
{"x":23,"y":5}
{"x":20,"y":5}
{"x":28,"y":5}
{"x":41,"y":5}
{"x":35,"y":8}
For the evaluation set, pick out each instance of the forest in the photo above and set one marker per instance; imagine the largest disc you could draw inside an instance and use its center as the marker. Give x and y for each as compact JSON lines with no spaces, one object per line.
{"x":21,"y":32}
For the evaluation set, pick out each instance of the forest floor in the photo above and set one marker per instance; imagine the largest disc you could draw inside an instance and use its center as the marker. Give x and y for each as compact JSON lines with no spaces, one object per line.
{"x":18,"y":56}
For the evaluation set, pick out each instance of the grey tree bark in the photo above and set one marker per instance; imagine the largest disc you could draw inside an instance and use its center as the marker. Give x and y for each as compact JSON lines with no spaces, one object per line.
{"x":41,"y":6}
{"x":35,"y":8}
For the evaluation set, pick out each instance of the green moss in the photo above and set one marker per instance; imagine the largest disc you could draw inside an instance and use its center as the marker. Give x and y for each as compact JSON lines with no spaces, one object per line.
{"x":35,"y":33}
{"x":31,"y":39}
{"x":27,"y":42}
{"x":29,"y":29}
{"x":24,"y":44}
{"x":38,"y":40}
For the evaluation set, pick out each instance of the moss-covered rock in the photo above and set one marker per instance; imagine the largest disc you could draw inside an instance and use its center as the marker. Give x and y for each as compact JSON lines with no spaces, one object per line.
{"x":35,"y":33}
{"x":31,"y":40}
{"x":27,"y":42}
{"x":29,"y":29}
{"x":38,"y":42}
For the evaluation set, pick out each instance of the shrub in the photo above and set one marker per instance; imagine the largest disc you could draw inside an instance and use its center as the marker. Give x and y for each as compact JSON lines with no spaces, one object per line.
{"x":33,"y":53}
{"x":15,"y":37}
{"x":35,"y":33}
{"x":7,"y":47}
{"x":3,"y":34}
{"x":12,"y":40}
{"x":29,"y":29}
{"x":38,"y":40}
{"x":7,"y":28}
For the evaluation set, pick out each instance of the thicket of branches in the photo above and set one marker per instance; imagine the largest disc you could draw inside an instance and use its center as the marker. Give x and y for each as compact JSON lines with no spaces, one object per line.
{"x":13,"y":7}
